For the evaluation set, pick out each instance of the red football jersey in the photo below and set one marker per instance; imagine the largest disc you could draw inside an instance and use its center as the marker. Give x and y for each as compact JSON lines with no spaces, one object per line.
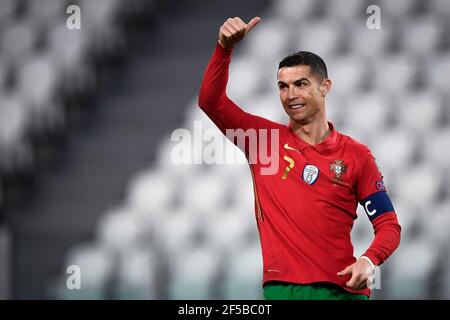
{"x":306,"y":209}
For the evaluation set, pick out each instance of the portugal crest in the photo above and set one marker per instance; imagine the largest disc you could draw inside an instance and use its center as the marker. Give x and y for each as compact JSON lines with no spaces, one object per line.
{"x":338,"y":168}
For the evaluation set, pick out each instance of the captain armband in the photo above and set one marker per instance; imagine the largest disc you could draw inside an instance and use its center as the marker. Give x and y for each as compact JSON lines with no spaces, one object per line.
{"x":376,"y":204}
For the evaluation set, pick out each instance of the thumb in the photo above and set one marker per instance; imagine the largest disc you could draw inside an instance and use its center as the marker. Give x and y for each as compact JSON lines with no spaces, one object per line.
{"x":346,"y":271}
{"x":252,"y":23}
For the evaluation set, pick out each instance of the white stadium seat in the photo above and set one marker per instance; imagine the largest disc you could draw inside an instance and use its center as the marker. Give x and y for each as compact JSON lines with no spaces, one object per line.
{"x":420,"y":110}
{"x":177,"y":231}
{"x":398,"y":8}
{"x":412,"y":270}
{"x":243,"y":275}
{"x":344,"y":9}
{"x":394,"y":149}
{"x":96,"y":266}
{"x":271,"y":31}
{"x":440,"y":7}
{"x":45,"y":11}
{"x":368,"y":112}
{"x":420,"y":185}
{"x":437,"y":149}
{"x":118,"y":230}
{"x":227,"y":230}
{"x":151,"y":191}
{"x":439,"y":72}
{"x":347,"y":73}
{"x":204,"y":194}
{"x":18,"y":41}
{"x":136,"y":276}
{"x":293,"y":9}
{"x":438,"y":223}
{"x":428,"y":29}
{"x":14,"y":122}
{"x":327,"y":30}
{"x":194,"y":273}
{"x":8,"y":8}
{"x":370,"y":43}
{"x":395,"y":73}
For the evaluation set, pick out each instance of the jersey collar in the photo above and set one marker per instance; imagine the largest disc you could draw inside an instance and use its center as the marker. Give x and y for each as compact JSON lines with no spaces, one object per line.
{"x":324,"y":147}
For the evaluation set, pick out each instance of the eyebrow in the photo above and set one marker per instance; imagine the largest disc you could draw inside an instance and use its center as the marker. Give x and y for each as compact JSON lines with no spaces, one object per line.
{"x":295,"y":81}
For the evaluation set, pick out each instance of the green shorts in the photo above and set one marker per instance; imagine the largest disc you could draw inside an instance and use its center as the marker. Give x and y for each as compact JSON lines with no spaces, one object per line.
{"x":313,"y":291}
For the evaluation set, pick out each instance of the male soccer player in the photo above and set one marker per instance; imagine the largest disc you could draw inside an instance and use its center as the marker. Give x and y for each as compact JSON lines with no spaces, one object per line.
{"x":305,"y":211}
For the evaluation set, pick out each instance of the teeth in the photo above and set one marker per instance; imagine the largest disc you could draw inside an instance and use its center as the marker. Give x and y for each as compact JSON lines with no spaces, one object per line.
{"x":296,"y":106}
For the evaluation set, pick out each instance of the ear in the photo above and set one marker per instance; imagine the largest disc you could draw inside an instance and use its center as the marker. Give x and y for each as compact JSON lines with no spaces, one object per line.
{"x":325,"y":87}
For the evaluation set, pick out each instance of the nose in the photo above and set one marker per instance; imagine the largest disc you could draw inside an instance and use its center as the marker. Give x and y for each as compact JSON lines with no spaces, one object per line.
{"x":292,"y":93}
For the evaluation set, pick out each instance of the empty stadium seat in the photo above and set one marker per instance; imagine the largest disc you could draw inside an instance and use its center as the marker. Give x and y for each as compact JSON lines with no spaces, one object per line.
{"x":193,"y":275}
{"x":440,"y":7}
{"x":46,"y":11}
{"x":420,"y":185}
{"x":7,"y":13}
{"x":412,"y":270}
{"x":373,"y":44}
{"x":429,"y":29}
{"x":19,"y":41}
{"x":325,"y":29}
{"x":347,"y":73}
{"x":438,"y":221}
{"x":436,"y":149}
{"x":438,"y":71}
{"x":243,"y":275}
{"x":227,"y":230}
{"x":294,"y":10}
{"x":399,"y":8}
{"x":178,"y":231}
{"x":16,"y":152}
{"x":344,"y":9}
{"x":96,"y":265}
{"x":151,"y":192}
{"x":395,"y":73}
{"x":394,"y":150}
{"x":119,"y":231}
{"x":204,"y":194}
{"x":420,"y":110}
{"x":38,"y":80}
{"x":370,"y":112}
{"x":136,"y":275}
{"x":274,"y":32}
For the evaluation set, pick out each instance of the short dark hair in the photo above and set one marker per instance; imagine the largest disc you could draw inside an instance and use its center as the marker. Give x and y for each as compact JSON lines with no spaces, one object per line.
{"x":316,"y":63}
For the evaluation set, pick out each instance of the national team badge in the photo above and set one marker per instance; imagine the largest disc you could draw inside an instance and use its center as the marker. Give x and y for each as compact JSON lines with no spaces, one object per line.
{"x":338,"y":168}
{"x":310,"y":173}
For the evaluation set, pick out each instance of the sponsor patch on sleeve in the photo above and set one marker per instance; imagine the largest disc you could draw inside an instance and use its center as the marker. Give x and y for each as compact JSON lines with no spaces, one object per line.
{"x":380,"y":185}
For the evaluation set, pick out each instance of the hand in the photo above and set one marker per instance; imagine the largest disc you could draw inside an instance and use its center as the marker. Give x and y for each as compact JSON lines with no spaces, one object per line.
{"x":234,"y":30}
{"x":360,"y":271}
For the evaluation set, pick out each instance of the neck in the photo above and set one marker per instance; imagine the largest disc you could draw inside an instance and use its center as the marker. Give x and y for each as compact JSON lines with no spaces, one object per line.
{"x":313,"y":133}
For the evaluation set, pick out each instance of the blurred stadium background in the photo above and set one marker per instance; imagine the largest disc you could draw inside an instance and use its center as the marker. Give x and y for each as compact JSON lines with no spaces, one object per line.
{"x":86,"y":118}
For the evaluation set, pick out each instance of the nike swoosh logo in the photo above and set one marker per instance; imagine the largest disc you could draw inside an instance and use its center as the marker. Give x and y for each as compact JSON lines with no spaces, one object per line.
{"x":286,"y":146}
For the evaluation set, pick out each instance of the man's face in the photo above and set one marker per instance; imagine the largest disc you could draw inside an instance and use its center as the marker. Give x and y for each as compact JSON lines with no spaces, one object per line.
{"x":302,"y":94}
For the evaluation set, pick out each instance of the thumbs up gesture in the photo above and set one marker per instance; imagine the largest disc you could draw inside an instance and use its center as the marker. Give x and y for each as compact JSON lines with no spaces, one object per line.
{"x":234,"y":30}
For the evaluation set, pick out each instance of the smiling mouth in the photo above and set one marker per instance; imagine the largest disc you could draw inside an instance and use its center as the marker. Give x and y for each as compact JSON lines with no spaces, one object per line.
{"x":296,"y":106}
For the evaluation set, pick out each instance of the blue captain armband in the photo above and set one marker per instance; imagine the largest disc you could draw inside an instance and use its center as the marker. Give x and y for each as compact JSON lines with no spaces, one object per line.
{"x":376,"y":204}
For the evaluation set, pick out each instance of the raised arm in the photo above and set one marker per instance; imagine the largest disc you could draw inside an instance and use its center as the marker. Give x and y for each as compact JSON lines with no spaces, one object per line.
{"x":212,"y":98}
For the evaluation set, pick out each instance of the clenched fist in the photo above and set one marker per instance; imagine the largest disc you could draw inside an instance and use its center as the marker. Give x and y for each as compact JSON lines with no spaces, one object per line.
{"x":234,"y":30}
